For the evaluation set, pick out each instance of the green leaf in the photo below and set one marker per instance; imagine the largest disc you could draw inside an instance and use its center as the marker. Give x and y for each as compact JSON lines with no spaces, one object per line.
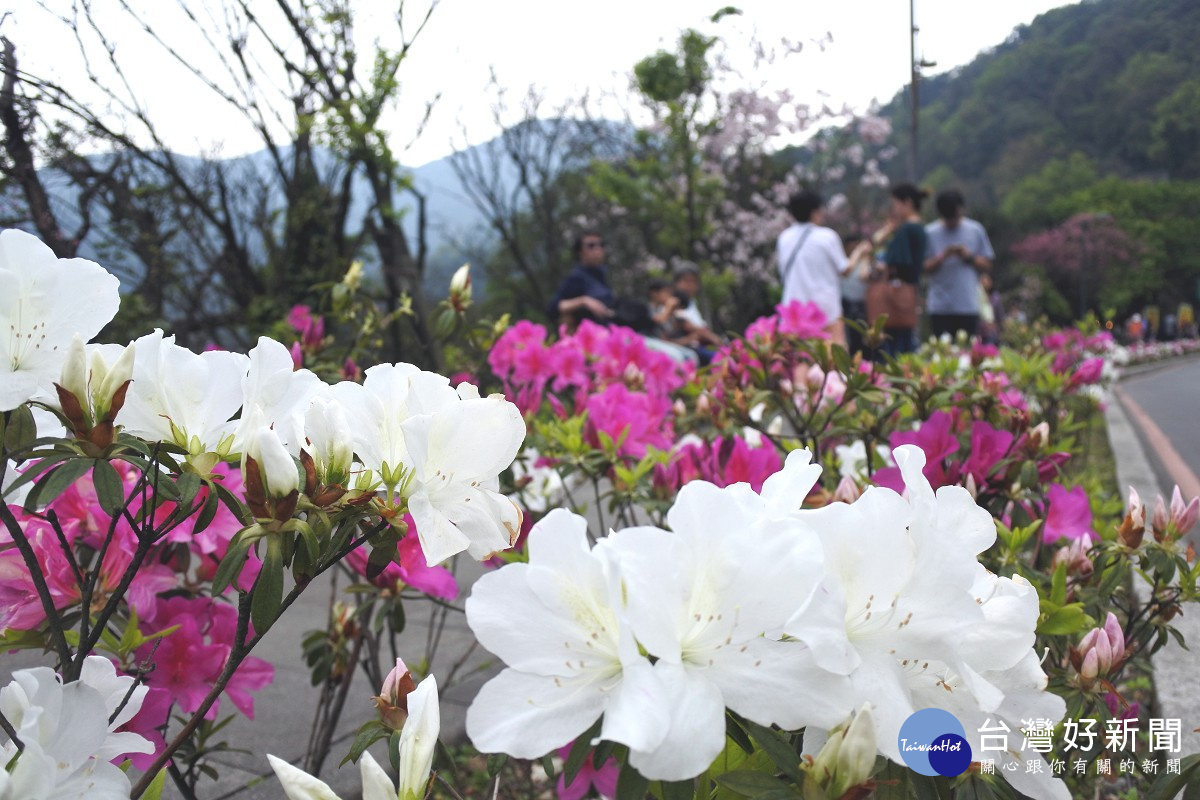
{"x":580,"y":749}
{"x":155,"y":790}
{"x":749,"y":784}
{"x":188,"y":485}
{"x":110,"y":491}
{"x":778,"y":748}
{"x":231,"y":565}
{"x":678,"y":790}
{"x":1167,"y":787}
{"x":396,"y":618}
{"x":1058,"y":584}
{"x":49,"y":488}
{"x":735,"y":732}
{"x":366,"y":736}
{"x":495,"y":763}
{"x":19,"y":429}
{"x":268,"y":588}
{"x":1066,"y":620}
{"x":631,"y":784}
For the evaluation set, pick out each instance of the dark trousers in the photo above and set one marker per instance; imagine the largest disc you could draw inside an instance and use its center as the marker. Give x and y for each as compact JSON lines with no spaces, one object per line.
{"x":953,"y":323}
{"x":854,"y":310}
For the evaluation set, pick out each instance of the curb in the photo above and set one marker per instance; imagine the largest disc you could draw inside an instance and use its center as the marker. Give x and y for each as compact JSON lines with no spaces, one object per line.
{"x":1174,"y":667}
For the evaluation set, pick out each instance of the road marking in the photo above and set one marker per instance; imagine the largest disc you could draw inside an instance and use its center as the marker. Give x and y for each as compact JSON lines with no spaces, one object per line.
{"x":1168,"y":456}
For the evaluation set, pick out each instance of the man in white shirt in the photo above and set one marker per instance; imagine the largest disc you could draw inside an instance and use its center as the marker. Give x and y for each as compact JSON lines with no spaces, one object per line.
{"x":812,"y":261}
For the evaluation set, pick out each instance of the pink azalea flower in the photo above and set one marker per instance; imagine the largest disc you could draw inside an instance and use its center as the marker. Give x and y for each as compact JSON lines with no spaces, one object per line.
{"x":1068,"y":515}
{"x":802,"y":320}
{"x":189,"y":660}
{"x":724,"y":462}
{"x":149,"y":722}
{"x":604,"y":778}
{"x":644,"y":421}
{"x":411,"y":571}
{"x":936,"y":437}
{"x":1087,"y":373}
{"x":989,"y":446}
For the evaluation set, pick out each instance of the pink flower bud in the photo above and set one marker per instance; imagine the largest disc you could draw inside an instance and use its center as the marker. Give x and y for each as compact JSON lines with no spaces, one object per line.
{"x":1183,"y":517}
{"x":1090,"y":668}
{"x":392,"y":701}
{"x":1160,"y":519}
{"x":1116,"y":636}
{"x":297,"y":355}
{"x":847,"y":490}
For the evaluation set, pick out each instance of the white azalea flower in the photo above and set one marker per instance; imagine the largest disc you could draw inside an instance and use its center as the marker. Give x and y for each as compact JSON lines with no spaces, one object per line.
{"x":45,"y":302}
{"x":329,"y":438}
{"x":94,"y":372}
{"x":709,"y":602}
{"x":570,"y":660}
{"x":276,"y":466}
{"x":184,"y":397}
{"x":66,"y":732}
{"x":299,"y":785}
{"x":456,"y":457}
{"x":389,"y":395}
{"x":418,"y":741}
{"x":280,"y":392}
{"x":877,"y":617}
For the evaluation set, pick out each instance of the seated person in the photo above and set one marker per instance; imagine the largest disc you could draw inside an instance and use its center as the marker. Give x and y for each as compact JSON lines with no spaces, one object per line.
{"x":695,"y":331}
{"x":584,"y":293}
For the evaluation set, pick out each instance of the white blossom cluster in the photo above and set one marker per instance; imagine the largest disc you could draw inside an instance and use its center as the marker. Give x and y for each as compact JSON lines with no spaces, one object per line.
{"x":785,"y":616}
{"x":438,"y":448}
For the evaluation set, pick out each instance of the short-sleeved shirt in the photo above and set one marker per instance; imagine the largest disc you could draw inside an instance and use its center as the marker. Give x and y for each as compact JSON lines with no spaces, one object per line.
{"x":905,"y":253}
{"x":954,"y":286}
{"x":815,"y":272}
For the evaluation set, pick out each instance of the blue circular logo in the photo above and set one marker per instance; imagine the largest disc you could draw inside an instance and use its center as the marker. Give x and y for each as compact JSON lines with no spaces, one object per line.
{"x":933,"y":742}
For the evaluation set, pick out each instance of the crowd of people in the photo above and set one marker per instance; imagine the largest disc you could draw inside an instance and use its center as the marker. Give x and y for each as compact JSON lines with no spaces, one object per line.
{"x":856,"y":278}
{"x":861,"y":279}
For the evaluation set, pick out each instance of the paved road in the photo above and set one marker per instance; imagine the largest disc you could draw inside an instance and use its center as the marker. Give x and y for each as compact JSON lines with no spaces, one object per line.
{"x":1155,"y":433}
{"x":1164,"y":406}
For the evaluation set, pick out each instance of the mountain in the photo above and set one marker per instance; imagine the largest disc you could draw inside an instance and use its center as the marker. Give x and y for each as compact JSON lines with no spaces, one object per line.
{"x":1117,"y":81}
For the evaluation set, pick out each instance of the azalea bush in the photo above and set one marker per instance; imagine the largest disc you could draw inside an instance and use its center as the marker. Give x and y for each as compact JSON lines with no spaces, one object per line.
{"x":996,"y":429}
{"x":783,"y":557}
{"x":164,"y":507}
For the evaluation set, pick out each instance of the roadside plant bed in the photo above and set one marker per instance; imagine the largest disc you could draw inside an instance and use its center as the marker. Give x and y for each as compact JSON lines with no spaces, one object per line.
{"x":799,"y":574}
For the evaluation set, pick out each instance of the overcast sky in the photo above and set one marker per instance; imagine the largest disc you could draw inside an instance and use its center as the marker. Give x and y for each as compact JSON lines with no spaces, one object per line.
{"x":854,"y":51}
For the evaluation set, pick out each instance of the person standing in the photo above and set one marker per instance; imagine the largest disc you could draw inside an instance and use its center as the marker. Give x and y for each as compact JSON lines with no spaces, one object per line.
{"x":811,"y":261}
{"x":903,"y":258}
{"x":960,"y":253}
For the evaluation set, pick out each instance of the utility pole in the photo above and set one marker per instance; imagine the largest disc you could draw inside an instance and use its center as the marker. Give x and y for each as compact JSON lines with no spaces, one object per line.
{"x":915,"y":93}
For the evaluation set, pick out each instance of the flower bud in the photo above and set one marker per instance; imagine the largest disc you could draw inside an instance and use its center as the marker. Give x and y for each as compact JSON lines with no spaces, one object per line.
{"x":1075,"y":556}
{"x":460,"y":289}
{"x":274,"y":464}
{"x":392,"y":701}
{"x":1133,"y":528}
{"x":1100,"y":653}
{"x":847,"y":490}
{"x":418,"y":740}
{"x":329,"y":440}
{"x":353,"y":277}
{"x":1160,"y":520}
{"x":1183,"y":517}
{"x":848,"y":757}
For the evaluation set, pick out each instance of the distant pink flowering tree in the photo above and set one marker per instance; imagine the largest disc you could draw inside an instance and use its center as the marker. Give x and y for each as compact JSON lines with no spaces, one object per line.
{"x":1082,"y":256}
